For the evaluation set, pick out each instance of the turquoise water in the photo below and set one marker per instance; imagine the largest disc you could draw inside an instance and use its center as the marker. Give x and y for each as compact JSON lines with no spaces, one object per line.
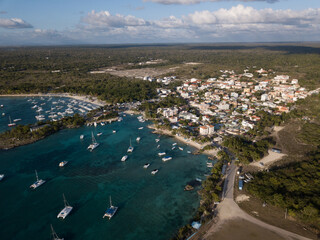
{"x":26,"y":109}
{"x":150,"y":206}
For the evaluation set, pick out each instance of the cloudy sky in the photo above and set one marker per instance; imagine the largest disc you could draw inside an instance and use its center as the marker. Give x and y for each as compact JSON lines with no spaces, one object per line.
{"x":55,"y":22}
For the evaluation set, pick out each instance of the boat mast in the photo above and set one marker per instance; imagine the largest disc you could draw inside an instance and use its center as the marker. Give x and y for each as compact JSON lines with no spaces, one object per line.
{"x":93,"y":139}
{"x":65,"y":201}
{"x":10,"y":119}
{"x":110,"y":202}
{"x":54,"y":234}
{"x":37,"y":175}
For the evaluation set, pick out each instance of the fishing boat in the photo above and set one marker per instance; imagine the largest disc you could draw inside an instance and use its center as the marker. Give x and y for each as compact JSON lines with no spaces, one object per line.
{"x":37,"y":183}
{"x":166,"y":158}
{"x":67,"y":209}
{"x":1,"y":176}
{"x":138,"y":139}
{"x":11,"y":124}
{"x":124,"y":158}
{"x":63,"y":163}
{"x":130,"y":149}
{"x":180,"y":148}
{"x":110,"y":211}
{"x":161,"y":153}
{"x":146,"y":165}
{"x":154,"y":171}
{"x":54,"y":234}
{"x":94,"y":143}
{"x":81,"y":136}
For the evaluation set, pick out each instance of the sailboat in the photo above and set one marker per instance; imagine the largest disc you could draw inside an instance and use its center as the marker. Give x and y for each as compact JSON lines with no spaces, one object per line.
{"x":54,"y":234}
{"x":94,"y":143}
{"x":130,"y":149}
{"x":11,"y":124}
{"x":110,"y":211}
{"x":67,"y":209}
{"x":37,"y":183}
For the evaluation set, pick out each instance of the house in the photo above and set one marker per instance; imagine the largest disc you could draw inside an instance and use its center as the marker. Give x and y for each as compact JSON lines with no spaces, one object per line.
{"x":203,"y":130}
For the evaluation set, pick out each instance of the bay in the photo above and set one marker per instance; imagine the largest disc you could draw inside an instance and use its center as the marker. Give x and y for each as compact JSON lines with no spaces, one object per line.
{"x":150,"y":206}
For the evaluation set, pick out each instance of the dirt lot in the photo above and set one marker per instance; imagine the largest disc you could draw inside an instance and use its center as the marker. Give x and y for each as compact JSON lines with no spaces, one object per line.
{"x":137,"y":73}
{"x":239,"y":229}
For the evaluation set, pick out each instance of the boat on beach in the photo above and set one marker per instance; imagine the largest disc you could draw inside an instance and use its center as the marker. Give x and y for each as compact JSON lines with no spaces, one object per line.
{"x":110,"y":211}
{"x":67,"y":209}
{"x":37,"y":183}
{"x":94,"y":143}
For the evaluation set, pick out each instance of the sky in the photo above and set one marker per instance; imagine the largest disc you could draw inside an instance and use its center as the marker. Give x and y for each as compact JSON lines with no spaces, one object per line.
{"x":68,"y":22}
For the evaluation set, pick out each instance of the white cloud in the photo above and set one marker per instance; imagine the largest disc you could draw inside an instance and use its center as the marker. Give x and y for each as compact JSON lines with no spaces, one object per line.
{"x":14,"y":23}
{"x":104,"y":19}
{"x":189,"y":2}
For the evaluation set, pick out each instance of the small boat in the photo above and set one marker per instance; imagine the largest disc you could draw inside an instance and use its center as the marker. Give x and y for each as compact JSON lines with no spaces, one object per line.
{"x":110,"y":211}
{"x":124,"y":158}
{"x":154,"y":171}
{"x":94,"y":143}
{"x":120,"y":119}
{"x":130,"y":149}
{"x":102,"y":124}
{"x":158,"y":146}
{"x":67,"y":209}
{"x":138,"y":139}
{"x":1,"y":176}
{"x":99,"y":134}
{"x":95,"y":124}
{"x":173,"y":148}
{"x":3,"y":114}
{"x":63,"y":163}
{"x":198,"y":179}
{"x":114,"y":131}
{"x":161,"y":153}
{"x":188,"y":151}
{"x":17,"y":120}
{"x":1,"y":105}
{"x":166,"y":159}
{"x":54,"y":235}
{"x":157,"y":139}
{"x":173,"y":144}
{"x":11,"y":124}
{"x":81,"y":136}
{"x":209,"y":164}
{"x":37,"y":183}
{"x":180,"y":148}
{"x":140,"y":128}
{"x":146,"y":165}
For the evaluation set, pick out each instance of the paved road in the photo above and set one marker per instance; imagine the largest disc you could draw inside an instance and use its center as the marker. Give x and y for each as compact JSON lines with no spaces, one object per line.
{"x":229,"y":209}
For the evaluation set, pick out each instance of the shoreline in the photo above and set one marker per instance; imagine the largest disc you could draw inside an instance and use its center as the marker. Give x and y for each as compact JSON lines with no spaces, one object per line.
{"x":85,"y":98}
{"x":188,"y":142}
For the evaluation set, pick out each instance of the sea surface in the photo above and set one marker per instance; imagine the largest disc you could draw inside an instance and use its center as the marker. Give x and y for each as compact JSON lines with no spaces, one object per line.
{"x":27,"y":108}
{"x":150,"y":206}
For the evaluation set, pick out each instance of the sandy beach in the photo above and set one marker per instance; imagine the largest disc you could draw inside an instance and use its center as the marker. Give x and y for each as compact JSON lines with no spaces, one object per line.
{"x":185,"y":140}
{"x":85,"y":98}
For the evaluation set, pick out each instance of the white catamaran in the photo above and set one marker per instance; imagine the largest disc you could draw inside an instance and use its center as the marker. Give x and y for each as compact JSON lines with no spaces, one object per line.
{"x":94,"y":143}
{"x":110,"y":211}
{"x":67,"y":209}
{"x":37,"y":183}
{"x":54,"y":234}
{"x":130,"y":149}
